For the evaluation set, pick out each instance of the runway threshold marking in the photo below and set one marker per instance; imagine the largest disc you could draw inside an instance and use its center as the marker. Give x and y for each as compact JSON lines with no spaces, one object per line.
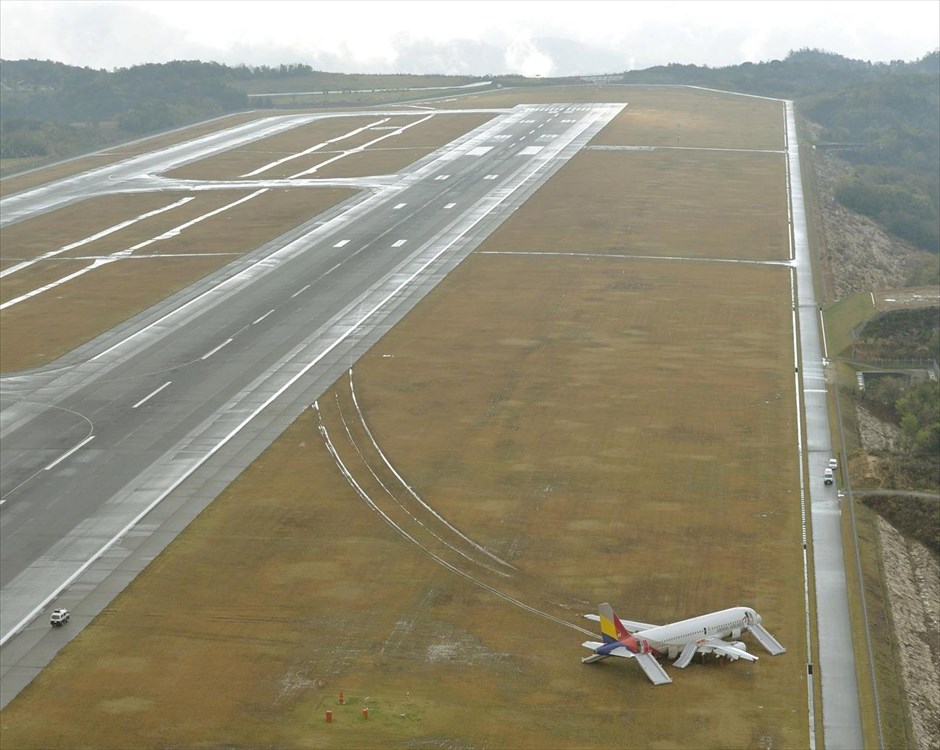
{"x":145,"y":399}
{"x":61,"y":458}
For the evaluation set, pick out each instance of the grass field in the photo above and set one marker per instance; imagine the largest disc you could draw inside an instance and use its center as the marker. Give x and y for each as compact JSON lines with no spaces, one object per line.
{"x":585,"y":425}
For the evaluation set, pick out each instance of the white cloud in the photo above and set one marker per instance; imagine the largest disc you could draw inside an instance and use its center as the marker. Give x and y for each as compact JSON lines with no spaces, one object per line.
{"x":469,"y":36}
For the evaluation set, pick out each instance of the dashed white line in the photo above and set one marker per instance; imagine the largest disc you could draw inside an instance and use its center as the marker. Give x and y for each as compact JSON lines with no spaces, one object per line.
{"x":60,"y":459}
{"x":398,"y":243}
{"x":255,"y":322}
{"x":442,"y":177}
{"x":145,"y":399}
{"x":450,"y":205}
{"x":210,"y":353}
{"x":341,"y":243}
{"x":491,"y":177}
{"x":398,"y":206}
{"x":300,"y":291}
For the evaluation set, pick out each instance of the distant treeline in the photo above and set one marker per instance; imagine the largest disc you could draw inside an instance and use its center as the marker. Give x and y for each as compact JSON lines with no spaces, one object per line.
{"x":885,"y":117}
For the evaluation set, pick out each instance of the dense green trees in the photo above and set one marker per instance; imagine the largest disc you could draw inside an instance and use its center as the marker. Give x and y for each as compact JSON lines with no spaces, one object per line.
{"x":919,"y":410}
{"x":134,"y":101}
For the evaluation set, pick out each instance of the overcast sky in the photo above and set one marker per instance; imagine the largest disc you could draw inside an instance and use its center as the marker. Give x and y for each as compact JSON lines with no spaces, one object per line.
{"x":478,"y":37}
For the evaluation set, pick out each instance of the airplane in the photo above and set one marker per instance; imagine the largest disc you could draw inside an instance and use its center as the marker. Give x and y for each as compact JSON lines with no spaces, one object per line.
{"x":678,"y":640}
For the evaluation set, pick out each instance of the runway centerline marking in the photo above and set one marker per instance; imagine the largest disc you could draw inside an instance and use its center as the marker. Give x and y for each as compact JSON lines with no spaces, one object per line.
{"x":145,"y":399}
{"x":210,"y":353}
{"x":61,"y":458}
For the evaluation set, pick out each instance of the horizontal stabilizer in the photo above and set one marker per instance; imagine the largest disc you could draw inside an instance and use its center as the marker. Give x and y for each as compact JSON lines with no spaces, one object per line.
{"x":766,"y":640}
{"x":619,"y":651}
{"x":653,"y":669}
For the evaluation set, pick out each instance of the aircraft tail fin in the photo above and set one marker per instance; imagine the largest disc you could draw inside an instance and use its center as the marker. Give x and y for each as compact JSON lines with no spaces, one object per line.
{"x":611,"y":627}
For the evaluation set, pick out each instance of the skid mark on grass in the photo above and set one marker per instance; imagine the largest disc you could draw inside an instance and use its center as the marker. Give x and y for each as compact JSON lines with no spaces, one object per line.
{"x":409,"y":488}
{"x":418,"y":532}
{"x":422,"y":525}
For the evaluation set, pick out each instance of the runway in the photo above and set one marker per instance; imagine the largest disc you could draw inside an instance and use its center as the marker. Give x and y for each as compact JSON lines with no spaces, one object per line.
{"x":109,"y":452}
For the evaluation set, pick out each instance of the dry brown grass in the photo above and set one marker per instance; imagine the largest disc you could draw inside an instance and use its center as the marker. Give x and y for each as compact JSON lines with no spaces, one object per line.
{"x":660,"y":115}
{"x":617,"y":429}
{"x":612,"y":439}
{"x":673,"y":203}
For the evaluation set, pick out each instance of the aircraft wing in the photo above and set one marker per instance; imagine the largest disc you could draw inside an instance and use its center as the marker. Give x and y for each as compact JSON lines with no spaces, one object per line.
{"x":710,"y":646}
{"x":722,"y":647}
{"x":632,"y":625}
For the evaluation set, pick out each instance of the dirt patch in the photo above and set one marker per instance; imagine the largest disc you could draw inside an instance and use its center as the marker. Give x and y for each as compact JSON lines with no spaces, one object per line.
{"x":877,"y":435}
{"x":862,"y":256}
{"x":914,"y":590}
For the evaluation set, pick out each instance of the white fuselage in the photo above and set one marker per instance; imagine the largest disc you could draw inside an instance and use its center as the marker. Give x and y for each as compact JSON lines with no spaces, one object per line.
{"x":670,"y":639}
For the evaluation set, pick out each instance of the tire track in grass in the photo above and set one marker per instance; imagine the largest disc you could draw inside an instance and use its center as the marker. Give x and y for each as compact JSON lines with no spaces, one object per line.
{"x":370,"y":501}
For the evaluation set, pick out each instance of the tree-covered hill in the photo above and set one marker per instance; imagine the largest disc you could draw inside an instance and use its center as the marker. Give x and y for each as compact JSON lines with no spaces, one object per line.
{"x":51,"y":110}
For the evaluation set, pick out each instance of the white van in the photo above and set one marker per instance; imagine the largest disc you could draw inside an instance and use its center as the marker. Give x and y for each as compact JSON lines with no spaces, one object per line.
{"x":828,"y":478}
